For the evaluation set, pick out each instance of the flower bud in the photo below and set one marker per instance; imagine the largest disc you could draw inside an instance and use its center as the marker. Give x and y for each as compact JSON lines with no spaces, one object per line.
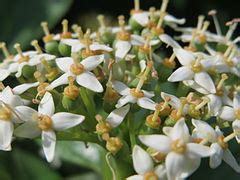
{"x":28,"y":71}
{"x":64,"y":49}
{"x":150,"y":122}
{"x":134,"y":24}
{"x":52,"y":48}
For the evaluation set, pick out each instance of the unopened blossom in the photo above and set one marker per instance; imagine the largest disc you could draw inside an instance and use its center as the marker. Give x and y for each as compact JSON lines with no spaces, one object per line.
{"x":80,"y":70}
{"x":219,"y":144}
{"x":8,"y":104}
{"x":233,"y":114}
{"x":183,"y":157}
{"x":45,"y":122}
{"x":144,"y":166}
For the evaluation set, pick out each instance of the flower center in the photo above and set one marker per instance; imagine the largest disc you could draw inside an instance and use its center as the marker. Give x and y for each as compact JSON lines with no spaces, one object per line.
{"x":123,"y":35}
{"x":48,"y":37}
{"x":114,"y":144}
{"x":20,"y":53}
{"x":150,"y":176}
{"x":196,"y":66}
{"x":237,"y":113}
{"x":178,"y":146}
{"x":77,"y":68}
{"x":41,"y":89}
{"x":71,"y":90}
{"x":5,"y":113}
{"x":137,"y":94}
{"x":45,"y":122}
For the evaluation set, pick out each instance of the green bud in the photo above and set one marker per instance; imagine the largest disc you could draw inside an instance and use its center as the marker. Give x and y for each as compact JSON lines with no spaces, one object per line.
{"x":64,"y":49}
{"x":28,"y":71}
{"x":70,"y":104}
{"x":221,"y":47}
{"x":107,"y":37}
{"x":134,"y":24}
{"x":199,"y":46}
{"x":52,"y":48}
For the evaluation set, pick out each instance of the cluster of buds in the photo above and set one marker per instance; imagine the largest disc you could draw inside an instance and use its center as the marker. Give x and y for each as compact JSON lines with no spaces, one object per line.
{"x":169,"y":110}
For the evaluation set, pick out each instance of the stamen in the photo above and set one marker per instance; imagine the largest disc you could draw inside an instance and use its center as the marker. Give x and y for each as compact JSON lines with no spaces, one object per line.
{"x":205,"y":100}
{"x":200,"y":22}
{"x":162,"y":13}
{"x":205,"y":26}
{"x":215,"y":21}
{"x":65,"y":26}
{"x":229,"y":137}
{"x":5,"y":50}
{"x":80,"y":33}
{"x":144,"y":76}
{"x":136,"y":5}
{"x":19,"y":50}
{"x":71,"y":90}
{"x":87,"y":40}
{"x":232,"y":27}
{"x":35,"y":44}
{"x":224,"y":77}
{"x":45,"y":28}
{"x":101,"y":21}
{"x":228,"y":50}
{"x":152,"y":13}
{"x":172,"y":57}
{"x":121,"y":22}
{"x":75,"y":28}
{"x":39,"y":77}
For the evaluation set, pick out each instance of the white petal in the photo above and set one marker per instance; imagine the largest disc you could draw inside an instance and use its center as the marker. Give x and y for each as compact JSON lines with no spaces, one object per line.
{"x":192,"y":84}
{"x":148,"y":94}
{"x":215,"y":104}
{"x":199,"y":150}
{"x":146,"y":103}
{"x":236,"y":129}
{"x":9,"y":98}
{"x":6,"y":131}
{"x":184,"y":57}
{"x":171,"y":19}
{"x":4,"y":74}
{"x":167,"y":130}
{"x":64,"y":120}
{"x":62,"y":80}
{"x":92,"y":62}
{"x":174,"y":101}
{"x":137,"y":40}
{"x":236,"y":100}
{"x":46,"y":105}
{"x":160,"y":143}
{"x":135,"y":177}
{"x":49,"y":143}
{"x":142,"y":161}
{"x":141,"y":18}
{"x":230,"y":160}
{"x":205,"y":130}
{"x":70,"y":42}
{"x":117,"y":116}
{"x":120,"y":87}
{"x":204,"y":80}
{"x":64,"y":63}
{"x":29,"y":129}
{"x":125,"y":99}
{"x":182,"y":73}
{"x":216,"y":158}
{"x":122,"y":48}
{"x":26,"y":113}
{"x":20,"y":67}
{"x":180,"y":131}
{"x":161,"y":172}
{"x":97,"y":46}
{"x":24,"y":87}
{"x":89,"y":81}
{"x":142,"y":65}
{"x":169,"y":41}
{"x":228,"y":113}
{"x":13,"y":67}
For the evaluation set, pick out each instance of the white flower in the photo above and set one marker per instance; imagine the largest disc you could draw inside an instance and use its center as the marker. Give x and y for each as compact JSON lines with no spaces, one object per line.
{"x":192,"y":69}
{"x":20,"y":89}
{"x":77,"y":45}
{"x":79,"y":70}
{"x":233,"y":114}
{"x":182,"y":156}
{"x":144,"y":166}
{"x":141,"y":18}
{"x":8,"y":103}
{"x":44,"y":122}
{"x":142,"y":98}
{"x":220,"y":148}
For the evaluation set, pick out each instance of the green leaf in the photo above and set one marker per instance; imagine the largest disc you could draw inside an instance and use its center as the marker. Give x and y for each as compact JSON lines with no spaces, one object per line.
{"x":20,"y":20}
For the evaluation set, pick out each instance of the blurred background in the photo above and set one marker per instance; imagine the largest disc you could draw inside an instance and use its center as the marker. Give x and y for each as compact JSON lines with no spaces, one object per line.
{"x":20,"y":22}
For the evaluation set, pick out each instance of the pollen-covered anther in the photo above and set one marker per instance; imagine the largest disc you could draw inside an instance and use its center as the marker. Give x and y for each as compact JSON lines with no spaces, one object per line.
{"x":71,"y":91}
{"x":150,"y":176}
{"x":219,"y":88}
{"x":178,"y":146}
{"x":35,"y":44}
{"x":103,"y":127}
{"x":6,"y":53}
{"x":45,"y":122}
{"x":41,"y":89}
{"x":5,"y":113}
{"x":114,"y":144}
{"x":48,"y":37}
{"x":22,"y":58}
{"x":65,"y":33}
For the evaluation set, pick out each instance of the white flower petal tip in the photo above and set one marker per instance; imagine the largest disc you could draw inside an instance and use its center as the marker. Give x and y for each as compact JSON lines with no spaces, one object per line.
{"x":116,"y":117}
{"x":49,"y":143}
{"x":46,"y":105}
{"x":169,"y":41}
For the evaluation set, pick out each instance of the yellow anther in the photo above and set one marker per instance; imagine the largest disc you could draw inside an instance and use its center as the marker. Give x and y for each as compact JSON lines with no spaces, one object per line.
{"x":114,"y":144}
{"x":205,"y":100}
{"x":35,"y":44}
{"x":71,"y":90}
{"x":137,"y":94}
{"x":5,"y":50}
{"x":221,"y":82}
{"x":77,"y":69}
{"x":100,"y":19}
{"x":41,"y":89}
{"x":65,"y":25}
{"x":5,"y":113}
{"x":17,"y":46}
{"x":45,"y":122}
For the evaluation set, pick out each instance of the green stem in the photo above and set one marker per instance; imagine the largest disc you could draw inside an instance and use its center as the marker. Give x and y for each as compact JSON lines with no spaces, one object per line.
{"x":131,"y":129}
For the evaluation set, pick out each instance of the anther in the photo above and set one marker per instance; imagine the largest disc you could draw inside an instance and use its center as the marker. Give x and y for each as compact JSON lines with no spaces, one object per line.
{"x":35,"y":44}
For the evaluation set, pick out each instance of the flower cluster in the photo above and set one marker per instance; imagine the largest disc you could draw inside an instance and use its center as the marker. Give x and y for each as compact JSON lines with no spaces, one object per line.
{"x":120,"y":88}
